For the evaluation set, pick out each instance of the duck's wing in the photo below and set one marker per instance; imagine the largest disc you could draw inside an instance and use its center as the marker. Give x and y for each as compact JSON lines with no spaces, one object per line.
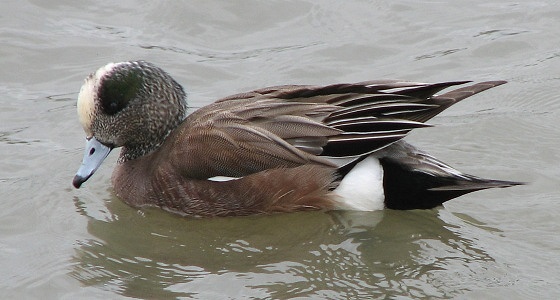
{"x":220,"y":140}
{"x":384,"y":98}
{"x":288,"y":126}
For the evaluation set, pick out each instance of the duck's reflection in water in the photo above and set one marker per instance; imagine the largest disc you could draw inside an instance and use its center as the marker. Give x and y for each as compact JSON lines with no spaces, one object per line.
{"x":339,"y":254}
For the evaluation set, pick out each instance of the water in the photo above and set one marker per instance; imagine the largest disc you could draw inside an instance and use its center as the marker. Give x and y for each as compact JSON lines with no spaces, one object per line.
{"x":61,"y":243}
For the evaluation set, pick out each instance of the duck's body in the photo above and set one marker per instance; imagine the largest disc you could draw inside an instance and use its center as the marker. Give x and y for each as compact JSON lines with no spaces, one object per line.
{"x":285,"y":148}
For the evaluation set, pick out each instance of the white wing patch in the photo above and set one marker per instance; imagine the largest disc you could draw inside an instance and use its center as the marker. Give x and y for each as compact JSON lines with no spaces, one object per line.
{"x":362,"y":188}
{"x":223,"y":178}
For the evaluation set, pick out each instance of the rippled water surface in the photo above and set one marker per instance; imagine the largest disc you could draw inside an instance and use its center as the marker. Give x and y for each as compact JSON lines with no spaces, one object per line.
{"x":60,"y":243}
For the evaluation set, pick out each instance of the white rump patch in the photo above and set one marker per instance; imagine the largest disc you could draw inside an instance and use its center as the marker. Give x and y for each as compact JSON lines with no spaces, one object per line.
{"x":362,"y":187}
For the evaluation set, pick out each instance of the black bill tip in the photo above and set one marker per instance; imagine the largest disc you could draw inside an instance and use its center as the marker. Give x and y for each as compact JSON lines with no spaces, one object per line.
{"x":78,"y":180}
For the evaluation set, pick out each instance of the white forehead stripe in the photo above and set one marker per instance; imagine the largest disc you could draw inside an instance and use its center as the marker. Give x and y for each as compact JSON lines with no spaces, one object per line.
{"x":86,"y":105}
{"x":87,"y":96}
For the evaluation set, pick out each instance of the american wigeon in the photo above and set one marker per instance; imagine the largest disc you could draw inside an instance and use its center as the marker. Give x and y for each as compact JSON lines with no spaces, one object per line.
{"x":276,"y":149}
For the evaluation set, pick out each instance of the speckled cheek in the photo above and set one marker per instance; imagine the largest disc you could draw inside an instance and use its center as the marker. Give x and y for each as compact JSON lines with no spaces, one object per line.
{"x":86,"y":105}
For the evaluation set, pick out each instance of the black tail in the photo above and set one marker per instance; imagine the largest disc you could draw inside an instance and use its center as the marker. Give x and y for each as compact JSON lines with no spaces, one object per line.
{"x":420,"y":181}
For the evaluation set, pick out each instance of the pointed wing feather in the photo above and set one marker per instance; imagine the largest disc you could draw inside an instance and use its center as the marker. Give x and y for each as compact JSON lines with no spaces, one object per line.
{"x":288,"y":126}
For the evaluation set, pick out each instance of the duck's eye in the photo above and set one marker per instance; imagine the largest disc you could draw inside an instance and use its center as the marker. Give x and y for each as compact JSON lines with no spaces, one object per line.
{"x":118,"y":89}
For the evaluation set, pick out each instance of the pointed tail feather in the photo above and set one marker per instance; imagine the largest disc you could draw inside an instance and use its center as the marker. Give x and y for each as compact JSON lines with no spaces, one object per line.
{"x":477,"y":185}
{"x":414,"y":180}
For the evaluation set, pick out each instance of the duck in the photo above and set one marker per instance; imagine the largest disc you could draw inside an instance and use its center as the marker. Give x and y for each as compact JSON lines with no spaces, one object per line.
{"x":277,"y":149}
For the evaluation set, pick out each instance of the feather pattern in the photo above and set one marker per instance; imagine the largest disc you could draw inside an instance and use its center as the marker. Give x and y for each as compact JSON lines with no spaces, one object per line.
{"x":286,"y":126}
{"x":283,"y":148}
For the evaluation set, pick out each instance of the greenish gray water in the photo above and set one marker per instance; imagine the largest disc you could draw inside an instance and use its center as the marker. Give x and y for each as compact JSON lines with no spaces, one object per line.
{"x":60,"y":243}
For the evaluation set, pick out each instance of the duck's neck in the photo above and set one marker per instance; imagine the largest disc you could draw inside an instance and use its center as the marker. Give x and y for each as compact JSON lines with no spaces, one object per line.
{"x":133,"y":152}
{"x":130,"y":152}
{"x":153,"y":137}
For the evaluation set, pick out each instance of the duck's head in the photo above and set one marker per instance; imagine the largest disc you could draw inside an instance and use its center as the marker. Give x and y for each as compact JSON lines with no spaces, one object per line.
{"x":133,"y":105}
